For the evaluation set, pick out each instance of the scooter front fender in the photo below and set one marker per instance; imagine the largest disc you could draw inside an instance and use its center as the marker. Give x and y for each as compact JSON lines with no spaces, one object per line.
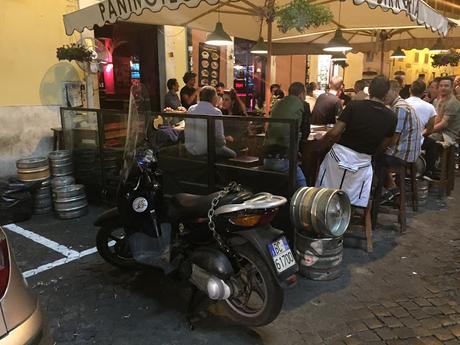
{"x":109,"y":217}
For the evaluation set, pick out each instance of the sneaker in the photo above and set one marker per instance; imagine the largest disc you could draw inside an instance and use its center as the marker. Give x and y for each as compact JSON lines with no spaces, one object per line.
{"x":431,"y":176}
{"x":389,"y":195}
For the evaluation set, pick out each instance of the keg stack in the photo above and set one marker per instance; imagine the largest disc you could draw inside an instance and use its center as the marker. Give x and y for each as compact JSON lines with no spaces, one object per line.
{"x":35,"y":169}
{"x":320,"y":217}
{"x":70,"y":201}
{"x":111,"y":165}
{"x":422,"y":184}
{"x":69,"y":198}
{"x":88,"y":171}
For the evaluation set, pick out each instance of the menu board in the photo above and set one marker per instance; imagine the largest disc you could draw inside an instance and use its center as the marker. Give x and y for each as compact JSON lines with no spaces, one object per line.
{"x":209,"y":64}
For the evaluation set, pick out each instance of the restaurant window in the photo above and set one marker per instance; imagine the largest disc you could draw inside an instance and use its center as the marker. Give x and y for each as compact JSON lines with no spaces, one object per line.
{"x":416,"y":57}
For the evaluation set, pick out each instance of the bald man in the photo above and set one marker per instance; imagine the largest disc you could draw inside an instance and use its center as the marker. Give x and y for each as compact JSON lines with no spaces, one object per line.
{"x":328,"y":105}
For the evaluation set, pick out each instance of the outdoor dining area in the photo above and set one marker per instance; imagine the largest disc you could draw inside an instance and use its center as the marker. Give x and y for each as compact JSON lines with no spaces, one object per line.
{"x":366,"y":140}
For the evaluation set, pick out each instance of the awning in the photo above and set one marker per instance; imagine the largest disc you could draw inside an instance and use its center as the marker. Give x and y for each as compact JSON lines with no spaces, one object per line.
{"x":241,"y":18}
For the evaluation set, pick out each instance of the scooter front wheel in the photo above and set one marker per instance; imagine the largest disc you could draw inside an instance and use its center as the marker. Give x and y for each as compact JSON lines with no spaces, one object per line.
{"x":112,"y":244}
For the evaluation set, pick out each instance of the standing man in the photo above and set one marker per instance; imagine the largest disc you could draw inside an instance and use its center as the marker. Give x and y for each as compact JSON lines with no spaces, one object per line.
{"x":196,"y":137}
{"x":405,"y":145}
{"x":277,"y":140}
{"x":310,"y":98}
{"x":360,"y":95}
{"x":328,"y":106}
{"x":404,"y":93}
{"x":424,"y":110}
{"x":362,"y":129}
{"x":446,"y":127}
{"x":457,"y":87}
{"x":171,"y":98}
{"x":188,"y":94}
{"x":432,"y":93}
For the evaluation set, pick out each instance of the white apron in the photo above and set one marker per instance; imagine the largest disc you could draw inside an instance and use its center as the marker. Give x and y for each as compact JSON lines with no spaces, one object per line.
{"x":348,"y":170}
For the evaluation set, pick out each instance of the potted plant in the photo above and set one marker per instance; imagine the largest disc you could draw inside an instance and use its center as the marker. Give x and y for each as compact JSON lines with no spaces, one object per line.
{"x":451,"y":58}
{"x":301,"y":15}
{"x":74,"y":52}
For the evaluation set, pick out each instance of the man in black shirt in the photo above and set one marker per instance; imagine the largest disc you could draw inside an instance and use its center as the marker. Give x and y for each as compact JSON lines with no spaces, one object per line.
{"x":171,"y":99}
{"x":188,"y":94}
{"x":363,"y":128}
{"x":328,"y":106}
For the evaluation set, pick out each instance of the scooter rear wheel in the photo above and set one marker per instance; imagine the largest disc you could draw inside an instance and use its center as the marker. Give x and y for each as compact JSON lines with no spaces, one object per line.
{"x":260,"y":298}
{"x":112,"y":245}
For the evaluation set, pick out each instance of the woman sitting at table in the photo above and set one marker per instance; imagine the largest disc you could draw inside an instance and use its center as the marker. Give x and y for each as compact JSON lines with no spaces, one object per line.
{"x":235,"y":131}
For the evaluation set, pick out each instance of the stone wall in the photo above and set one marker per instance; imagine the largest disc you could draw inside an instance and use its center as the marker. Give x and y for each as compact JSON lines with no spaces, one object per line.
{"x":25,"y":131}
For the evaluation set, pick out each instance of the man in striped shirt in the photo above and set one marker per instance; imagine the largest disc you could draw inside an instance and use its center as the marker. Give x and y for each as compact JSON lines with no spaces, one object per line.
{"x":406,"y":144}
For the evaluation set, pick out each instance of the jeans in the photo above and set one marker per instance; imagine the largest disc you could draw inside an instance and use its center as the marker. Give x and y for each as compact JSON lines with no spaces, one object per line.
{"x":225,"y":152}
{"x":282,"y":165}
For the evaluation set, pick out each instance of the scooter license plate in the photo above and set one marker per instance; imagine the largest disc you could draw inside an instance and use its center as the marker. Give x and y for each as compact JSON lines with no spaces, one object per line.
{"x":281,"y":255}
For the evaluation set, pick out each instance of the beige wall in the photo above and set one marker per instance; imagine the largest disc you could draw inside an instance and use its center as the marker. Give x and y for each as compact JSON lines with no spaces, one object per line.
{"x":30,"y":32}
{"x":175,"y":52}
{"x":289,"y":68}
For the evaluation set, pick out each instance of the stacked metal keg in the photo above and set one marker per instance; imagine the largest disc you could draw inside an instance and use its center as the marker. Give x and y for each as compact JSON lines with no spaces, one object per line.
{"x":37,"y":169}
{"x":320,"y":217}
{"x":69,"y":198}
{"x":422,"y":184}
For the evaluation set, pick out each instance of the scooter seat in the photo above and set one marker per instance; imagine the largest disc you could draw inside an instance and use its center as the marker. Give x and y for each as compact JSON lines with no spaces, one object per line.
{"x":189,"y":206}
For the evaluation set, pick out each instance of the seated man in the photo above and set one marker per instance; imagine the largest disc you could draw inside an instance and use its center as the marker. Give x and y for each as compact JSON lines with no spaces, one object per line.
{"x":446,"y":127}
{"x":406,"y":144}
{"x":277,"y":139}
{"x":363,"y":128}
{"x":424,"y":110}
{"x":196,"y":134}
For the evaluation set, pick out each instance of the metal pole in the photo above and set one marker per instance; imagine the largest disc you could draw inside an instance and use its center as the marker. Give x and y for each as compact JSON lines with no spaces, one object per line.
{"x":382,"y":56}
{"x":268,"y":72}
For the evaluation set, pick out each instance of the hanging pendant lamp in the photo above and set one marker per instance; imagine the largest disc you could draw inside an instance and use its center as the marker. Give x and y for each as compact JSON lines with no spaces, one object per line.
{"x":338,"y":57}
{"x":337,"y":43}
{"x":398,"y":54}
{"x":218,"y":37}
{"x":438,"y":47}
{"x":260,"y":47}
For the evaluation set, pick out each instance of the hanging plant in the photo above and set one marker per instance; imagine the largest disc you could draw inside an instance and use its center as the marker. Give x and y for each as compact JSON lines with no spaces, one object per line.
{"x":74,"y":52}
{"x":342,"y":63}
{"x":301,"y":15}
{"x":444,"y":59}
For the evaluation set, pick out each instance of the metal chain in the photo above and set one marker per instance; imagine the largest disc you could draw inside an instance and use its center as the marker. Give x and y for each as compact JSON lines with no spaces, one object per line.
{"x":232,"y":187}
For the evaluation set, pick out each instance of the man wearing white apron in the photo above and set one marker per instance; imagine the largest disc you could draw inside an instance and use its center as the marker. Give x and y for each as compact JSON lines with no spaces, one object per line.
{"x":364,"y":128}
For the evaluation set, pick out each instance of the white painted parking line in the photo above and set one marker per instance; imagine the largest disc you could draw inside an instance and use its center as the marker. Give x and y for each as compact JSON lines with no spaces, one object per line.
{"x":59,"y":262}
{"x":69,"y":253}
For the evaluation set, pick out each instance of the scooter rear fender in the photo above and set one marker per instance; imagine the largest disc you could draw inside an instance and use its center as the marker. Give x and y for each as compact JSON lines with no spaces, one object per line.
{"x":109,"y":217}
{"x":260,"y":237}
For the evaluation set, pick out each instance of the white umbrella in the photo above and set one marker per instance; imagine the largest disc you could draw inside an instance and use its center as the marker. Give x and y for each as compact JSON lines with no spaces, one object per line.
{"x":359,"y":19}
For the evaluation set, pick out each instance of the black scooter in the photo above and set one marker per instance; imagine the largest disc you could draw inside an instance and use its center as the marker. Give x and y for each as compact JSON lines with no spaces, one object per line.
{"x":222,"y":243}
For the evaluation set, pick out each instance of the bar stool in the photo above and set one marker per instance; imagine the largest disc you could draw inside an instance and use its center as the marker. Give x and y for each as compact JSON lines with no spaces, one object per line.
{"x":381,"y":174}
{"x":447,"y":175}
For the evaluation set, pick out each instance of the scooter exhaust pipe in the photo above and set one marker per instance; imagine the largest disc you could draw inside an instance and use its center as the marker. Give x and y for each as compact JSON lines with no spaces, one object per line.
{"x":214,"y":287}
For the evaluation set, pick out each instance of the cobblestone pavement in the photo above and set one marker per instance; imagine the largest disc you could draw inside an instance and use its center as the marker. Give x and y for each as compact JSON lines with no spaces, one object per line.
{"x":406,"y":292}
